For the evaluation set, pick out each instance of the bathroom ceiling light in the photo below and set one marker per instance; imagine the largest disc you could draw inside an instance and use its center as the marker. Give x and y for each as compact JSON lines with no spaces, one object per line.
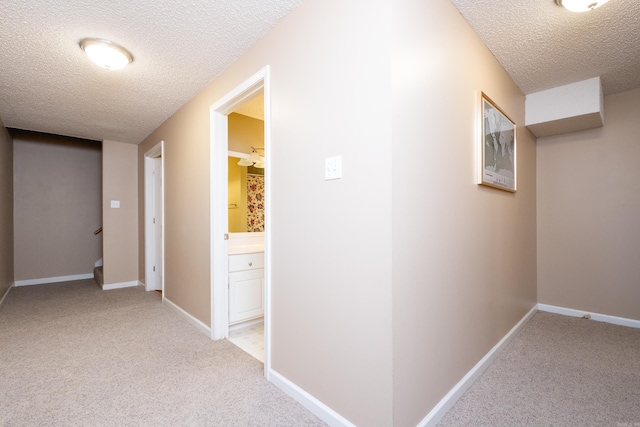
{"x":106,"y":54}
{"x":580,"y":5}
{"x":254,"y":159}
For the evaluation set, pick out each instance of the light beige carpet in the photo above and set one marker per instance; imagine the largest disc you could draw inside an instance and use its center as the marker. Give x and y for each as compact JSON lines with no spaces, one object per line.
{"x":74,"y":355}
{"x":558,"y":371}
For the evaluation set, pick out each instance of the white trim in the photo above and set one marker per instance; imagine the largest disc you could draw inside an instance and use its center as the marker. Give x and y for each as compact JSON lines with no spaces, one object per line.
{"x":149,"y":232}
{"x":219,"y":146}
{"x":622,"y":321}
{"x":53,"y":279}
{"x":315,"y":406}
{"x":98,"y":263}
{"x":447,"y":402}
{"x":120,"y":285}
{"x":189,"y":318}
{"x":266,"y":91}
{"x":6,"y":293}
{"x":219,"y":224}
{"x":246,"y":324}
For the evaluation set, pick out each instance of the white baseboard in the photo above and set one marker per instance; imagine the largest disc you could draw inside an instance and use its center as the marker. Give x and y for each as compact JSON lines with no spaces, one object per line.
{"x":120,"y":285}
{"x":622,"y":321}
{"x":53,"y":279}
{"x":189,"y":318}
{"x":463,"y":385}
{"x":315,"y":406}
{"x":6,"y":293}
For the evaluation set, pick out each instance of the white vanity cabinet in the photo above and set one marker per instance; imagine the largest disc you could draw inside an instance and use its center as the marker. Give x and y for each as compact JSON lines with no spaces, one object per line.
{"x":246,"y":287}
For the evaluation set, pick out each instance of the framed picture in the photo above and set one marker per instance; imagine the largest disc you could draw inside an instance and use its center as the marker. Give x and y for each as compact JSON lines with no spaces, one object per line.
{"x":498,"y":150}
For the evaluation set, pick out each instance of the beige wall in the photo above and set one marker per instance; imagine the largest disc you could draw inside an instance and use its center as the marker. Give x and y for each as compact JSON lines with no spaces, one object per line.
{"x":332,"y":239}
{"x":186,"y":207}
{"x":464,"y":256}
{"x":411,"y":246}
{"x":332,"y":264}
{"x":6,"y":211}
{"x":120,"y":182}
{"x":589,"y":214}
{"x":57,"y":189}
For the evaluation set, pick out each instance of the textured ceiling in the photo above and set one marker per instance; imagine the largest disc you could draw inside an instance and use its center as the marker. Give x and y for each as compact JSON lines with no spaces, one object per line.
{"x":47,"y":83}
{"x":542,"y":45}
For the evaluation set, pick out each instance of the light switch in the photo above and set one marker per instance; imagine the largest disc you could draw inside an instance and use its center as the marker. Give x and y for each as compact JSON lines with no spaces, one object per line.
{"x":333,"y":168}
{"x":115,"y":203}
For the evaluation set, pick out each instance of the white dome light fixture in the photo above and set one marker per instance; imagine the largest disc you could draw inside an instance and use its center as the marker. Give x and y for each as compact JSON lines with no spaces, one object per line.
{"x":580,"y":5}
{"x":106,"y":54}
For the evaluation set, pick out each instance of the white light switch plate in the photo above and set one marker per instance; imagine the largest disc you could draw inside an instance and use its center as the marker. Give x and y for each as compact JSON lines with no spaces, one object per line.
{"x":333,"y":168}
{"x":115,"y":203}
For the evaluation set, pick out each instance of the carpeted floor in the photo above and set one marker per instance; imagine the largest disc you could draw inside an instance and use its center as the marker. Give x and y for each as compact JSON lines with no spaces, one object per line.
{"x":74,"y":355}
{"x":558,"y":371}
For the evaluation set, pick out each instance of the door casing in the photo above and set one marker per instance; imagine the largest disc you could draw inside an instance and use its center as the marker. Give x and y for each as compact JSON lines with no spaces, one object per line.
{"x":150,"y":235}
{"x":219,"y":147}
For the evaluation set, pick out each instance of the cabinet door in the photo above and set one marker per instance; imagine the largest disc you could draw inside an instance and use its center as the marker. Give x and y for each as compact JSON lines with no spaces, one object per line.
{"x":246,"y":299}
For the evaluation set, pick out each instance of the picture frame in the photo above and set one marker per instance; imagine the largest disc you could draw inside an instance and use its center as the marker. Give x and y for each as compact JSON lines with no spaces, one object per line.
{"x":498,"y":160}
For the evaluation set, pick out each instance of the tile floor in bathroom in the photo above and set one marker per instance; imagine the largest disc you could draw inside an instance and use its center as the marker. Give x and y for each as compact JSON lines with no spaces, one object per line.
{"x":250,"y":339}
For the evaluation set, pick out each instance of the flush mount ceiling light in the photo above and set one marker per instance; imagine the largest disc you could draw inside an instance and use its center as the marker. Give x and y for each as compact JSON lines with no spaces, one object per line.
{"x":580,"y":5}
{"x":254,"y":159}
{"x":106,"y":54}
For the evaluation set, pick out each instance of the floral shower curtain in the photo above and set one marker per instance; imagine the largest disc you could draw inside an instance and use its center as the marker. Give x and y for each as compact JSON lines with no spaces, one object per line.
{"x":255,"y":203}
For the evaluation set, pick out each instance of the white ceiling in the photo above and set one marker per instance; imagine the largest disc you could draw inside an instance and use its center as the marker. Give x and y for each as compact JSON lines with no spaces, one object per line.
{"x":542,"y":45}
{"x":47,"y":84}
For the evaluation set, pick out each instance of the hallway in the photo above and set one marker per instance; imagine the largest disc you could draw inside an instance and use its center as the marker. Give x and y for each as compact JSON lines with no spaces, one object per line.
{"x":76,"y":355}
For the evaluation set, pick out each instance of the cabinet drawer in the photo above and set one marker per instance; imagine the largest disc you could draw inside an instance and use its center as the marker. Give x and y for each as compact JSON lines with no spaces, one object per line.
{"x":246,"y":262}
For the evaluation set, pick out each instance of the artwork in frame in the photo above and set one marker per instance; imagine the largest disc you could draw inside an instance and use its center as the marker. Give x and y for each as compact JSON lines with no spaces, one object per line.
{"x":498,"y":159}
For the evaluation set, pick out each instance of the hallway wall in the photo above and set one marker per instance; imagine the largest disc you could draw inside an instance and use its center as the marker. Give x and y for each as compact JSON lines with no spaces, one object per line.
{"x":58,"y":205}
{"x":6,"y":210}
{"x":464,"y":255}
{"x":390,"y":283}
{"x":120,"y":183}
{"x":589,"y":214}
{"x":331,"y":270}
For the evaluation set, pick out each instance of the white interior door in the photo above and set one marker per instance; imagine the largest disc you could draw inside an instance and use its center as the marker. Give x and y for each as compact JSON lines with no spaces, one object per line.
{"x":157,"y":226}
{"x":153,"y":218}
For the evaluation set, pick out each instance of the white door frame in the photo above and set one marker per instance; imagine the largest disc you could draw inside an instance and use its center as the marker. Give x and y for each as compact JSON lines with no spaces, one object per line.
{"x":149,"y":208}
{"x":219,"y":207}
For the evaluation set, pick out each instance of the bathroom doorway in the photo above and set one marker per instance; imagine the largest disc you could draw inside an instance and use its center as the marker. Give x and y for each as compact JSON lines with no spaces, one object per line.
{"x":221,"y":263}
{"x":245,"y":246}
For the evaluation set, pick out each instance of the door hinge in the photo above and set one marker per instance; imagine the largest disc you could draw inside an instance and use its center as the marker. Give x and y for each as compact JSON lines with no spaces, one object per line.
{"x":154,"y":268}
{"x":154,"y":220}
{"x":226,"y":236}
